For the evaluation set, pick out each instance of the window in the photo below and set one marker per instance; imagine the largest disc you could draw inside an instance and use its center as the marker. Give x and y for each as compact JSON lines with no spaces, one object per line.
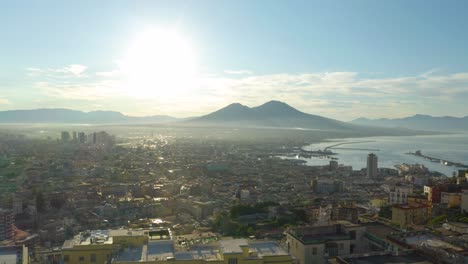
{"x":341,"y":246}
{"x":232,"y":261}
{"x":352,"y":234}
{"x":314,"y":251}
{"x":81,"y":259}
{"x":351,"y":249}
{"x":66,"y":258}
{"x":93,"y":257}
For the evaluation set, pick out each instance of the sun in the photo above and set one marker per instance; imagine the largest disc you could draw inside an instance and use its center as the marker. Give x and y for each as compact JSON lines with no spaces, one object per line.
{"x":159,"y":62}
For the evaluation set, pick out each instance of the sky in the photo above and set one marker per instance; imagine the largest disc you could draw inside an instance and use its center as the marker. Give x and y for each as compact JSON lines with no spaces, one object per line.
{"x":339,"y":59}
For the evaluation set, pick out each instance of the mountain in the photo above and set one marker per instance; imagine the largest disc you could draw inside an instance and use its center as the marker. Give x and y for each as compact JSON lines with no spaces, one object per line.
{"x":281,"y":115}
{"x":422,"y":122}
{"x":273,"y":114}
{"x":61,"y":115}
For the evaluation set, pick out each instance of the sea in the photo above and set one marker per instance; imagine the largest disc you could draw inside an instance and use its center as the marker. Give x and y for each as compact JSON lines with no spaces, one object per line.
{"x":392,"y":151}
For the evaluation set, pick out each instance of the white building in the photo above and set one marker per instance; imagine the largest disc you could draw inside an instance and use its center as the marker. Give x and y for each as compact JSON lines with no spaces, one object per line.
{"x":400,"y":194}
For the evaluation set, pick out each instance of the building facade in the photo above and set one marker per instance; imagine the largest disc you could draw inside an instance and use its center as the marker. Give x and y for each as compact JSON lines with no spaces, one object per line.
{"x":464,"y":202}
{"x":7,"y":222}
{"x":315,"y":244}
{"x":400,"y":194}
{"x":410,"y":214}
{"x":432,"y":192}
{"x":453,"y":200}
{"x":372,"y":166}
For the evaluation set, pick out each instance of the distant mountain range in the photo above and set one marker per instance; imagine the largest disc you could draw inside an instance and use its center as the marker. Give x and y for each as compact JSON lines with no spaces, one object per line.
{"x":420,"y":122}
{"x":273,"y":114}
{"x":60,"y":115}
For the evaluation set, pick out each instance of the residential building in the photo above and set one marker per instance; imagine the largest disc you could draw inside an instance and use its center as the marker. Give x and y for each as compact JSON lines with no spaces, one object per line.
{"x":433,"y":193}
{"x":432,"y":247}
{"x":417,"y":199}
{"x":7,"y":222}
{"x":327,"y":186}
{"x":14,"y":255}
{"x":315,"y":244}
{"x":453,"y":200}
{"x":158,"y":246}
{"x":345,"y":212}
{"x":376,"y":237}
{"x":464,"y":202}
{"x":400,"y":194}
{"x":410,"y":214}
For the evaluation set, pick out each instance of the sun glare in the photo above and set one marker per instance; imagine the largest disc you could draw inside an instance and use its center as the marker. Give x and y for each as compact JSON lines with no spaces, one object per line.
{"x":159,"y":63}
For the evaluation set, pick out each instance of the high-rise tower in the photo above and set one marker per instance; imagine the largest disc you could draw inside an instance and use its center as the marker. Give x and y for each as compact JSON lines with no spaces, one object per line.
{"x":372,"y":169}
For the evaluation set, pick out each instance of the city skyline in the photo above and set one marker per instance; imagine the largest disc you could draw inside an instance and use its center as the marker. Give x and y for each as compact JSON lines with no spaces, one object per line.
{"x":336,"y":59}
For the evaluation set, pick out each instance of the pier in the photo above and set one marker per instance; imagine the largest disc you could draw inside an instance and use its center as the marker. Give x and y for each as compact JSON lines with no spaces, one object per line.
{"x":441,"y":161}
{"x":353,"y":142}
{"x":363,"y":149}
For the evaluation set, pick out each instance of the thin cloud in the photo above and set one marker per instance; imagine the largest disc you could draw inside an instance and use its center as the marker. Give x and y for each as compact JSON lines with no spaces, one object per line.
{"x":76,"y":70}
{"x":108,"y":74}
{"x":238,"y":72}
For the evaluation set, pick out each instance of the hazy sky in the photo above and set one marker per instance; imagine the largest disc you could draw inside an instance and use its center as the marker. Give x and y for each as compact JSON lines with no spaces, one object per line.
{"x":341,"y":59}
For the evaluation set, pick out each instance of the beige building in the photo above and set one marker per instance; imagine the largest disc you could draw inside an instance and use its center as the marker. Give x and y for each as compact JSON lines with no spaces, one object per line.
{"x":410,"y":214}
{"x":315,"y":244}
{"x":452,"y":200}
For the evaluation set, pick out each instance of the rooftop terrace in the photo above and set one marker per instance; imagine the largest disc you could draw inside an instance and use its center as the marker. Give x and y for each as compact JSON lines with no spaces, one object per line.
{"x":8,"y":255}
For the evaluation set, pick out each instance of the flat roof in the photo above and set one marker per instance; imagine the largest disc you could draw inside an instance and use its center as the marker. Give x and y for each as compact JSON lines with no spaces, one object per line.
{"x":318,"y":234}
{"x":431,"y":241}
{"x":410,"y":206}
{"x":160,"y":250}
{"x":378,"y":259}
{"x":379,"y":229}
{"x":125,"y":232}
{"x":8,"y":255}
{"x":131,"y":254}
{"x":267,"y":248}
{"x":199,"y":252}
{"x":232,"y":245}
